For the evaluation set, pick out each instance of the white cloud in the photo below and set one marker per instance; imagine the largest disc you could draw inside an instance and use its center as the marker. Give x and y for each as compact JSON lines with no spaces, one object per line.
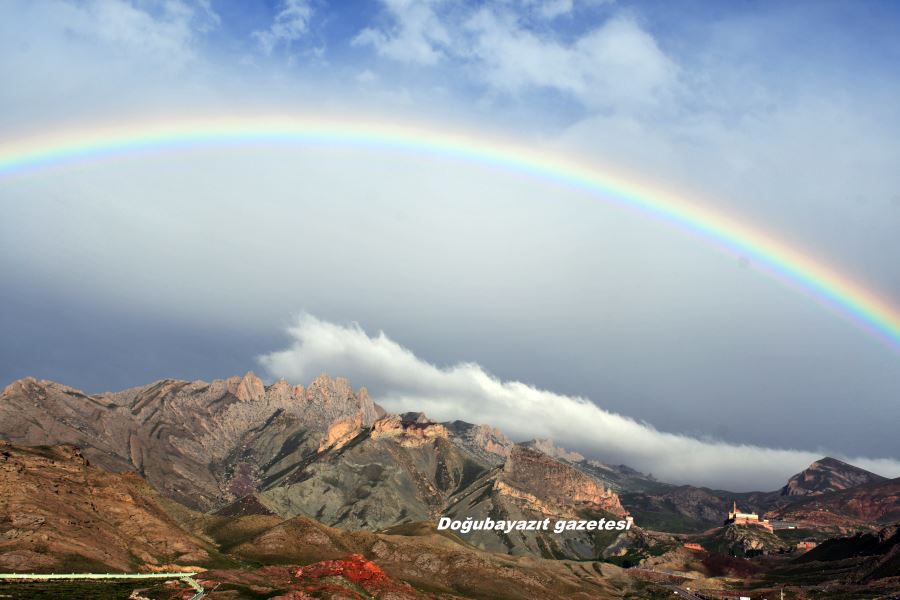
{"x":401,"y":381}
{"x":551,"y":9}
{"x":416,"y":37}
{"x":62,"y":59}
{"x":366,"y":76}
{"x":290,"y":24}
{"x":167,"y":34}
{"x":615,"y":65}
{"x":554,"y":9}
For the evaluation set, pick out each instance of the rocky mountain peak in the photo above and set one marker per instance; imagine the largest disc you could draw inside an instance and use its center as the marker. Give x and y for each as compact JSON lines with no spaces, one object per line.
{"x":326,"y":389}
{"x":832,"y":464}
{"x":280,"y":389}
{"x":31,"y":386}
{"x":327,"y":400}
{"x":548,"y":447}
{"x":488,"y":443}
{"x":19,"y":385}
{"x":248,"y":388}
{"x":827,"y":475}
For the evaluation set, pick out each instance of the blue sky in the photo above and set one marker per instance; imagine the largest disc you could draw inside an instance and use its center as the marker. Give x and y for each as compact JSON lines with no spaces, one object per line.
{"x":201,"y":264}
{"x":769,"y":43}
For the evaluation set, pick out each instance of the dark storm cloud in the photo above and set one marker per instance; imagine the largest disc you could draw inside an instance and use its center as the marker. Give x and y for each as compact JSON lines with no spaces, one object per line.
{"x":99,"y":348}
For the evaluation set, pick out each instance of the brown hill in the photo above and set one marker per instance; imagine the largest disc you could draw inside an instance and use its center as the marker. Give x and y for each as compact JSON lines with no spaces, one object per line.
{"x":59,"y":513}
{"x":435,"y":564}
{"x":876,"y":554}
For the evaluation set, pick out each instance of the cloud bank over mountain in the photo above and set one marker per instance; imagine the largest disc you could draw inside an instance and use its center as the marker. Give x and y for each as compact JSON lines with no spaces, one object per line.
{"x":401,"y":381}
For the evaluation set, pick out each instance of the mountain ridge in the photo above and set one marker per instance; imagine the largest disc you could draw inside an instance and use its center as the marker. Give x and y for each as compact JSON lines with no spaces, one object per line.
{"x":234,"y":474}
{"x":209,"y":444}
{"x":324,"y":451}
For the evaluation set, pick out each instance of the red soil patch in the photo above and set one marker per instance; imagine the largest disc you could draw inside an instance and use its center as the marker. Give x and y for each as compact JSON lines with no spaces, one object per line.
{"x":354,"y":568}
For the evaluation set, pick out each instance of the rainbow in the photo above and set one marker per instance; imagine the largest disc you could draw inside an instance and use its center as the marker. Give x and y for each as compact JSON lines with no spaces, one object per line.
{"x":826,"y":285}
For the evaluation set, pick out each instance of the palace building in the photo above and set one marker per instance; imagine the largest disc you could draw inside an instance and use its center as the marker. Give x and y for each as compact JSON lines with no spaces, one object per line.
{"x":736,"y":517}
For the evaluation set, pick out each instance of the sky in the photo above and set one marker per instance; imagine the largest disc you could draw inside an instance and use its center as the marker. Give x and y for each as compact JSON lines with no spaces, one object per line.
{"x":460,"y":288}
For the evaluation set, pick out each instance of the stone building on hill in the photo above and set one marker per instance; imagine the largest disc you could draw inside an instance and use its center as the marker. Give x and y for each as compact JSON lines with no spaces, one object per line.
{"x":736,"y":517}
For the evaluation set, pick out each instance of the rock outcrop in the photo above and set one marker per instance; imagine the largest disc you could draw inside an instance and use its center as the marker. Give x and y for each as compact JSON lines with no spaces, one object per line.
{"x":341,"y":432}
{"x":554,"y":483}
{"x":487,"y":443}
{"x":745,"y":541}
{"x":409,"y":430}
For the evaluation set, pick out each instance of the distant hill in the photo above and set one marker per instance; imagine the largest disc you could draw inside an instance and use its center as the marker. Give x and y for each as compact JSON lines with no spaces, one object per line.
{"x":813,"y":496}
{"x":828,"y":475}
{"x":866,"y":504}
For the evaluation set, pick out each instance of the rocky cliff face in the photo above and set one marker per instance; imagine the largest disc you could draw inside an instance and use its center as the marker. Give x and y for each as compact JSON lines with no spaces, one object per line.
{"x":406,"y":469}
{"x":396,"y":471}
{"x":409,"y":432}
{"x":487,"y":444}
{"x":827,"y":475}
{"x":555,"y":484}
{"x":533,"y":486}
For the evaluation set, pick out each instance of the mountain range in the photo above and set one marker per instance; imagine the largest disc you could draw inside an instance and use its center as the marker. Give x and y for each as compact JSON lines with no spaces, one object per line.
{"x":224,"y":474}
